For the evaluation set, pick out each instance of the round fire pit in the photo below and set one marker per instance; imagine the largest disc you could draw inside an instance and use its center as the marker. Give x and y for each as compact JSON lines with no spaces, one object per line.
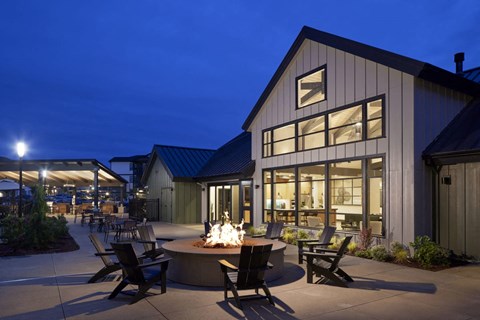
{"x":199,"y":266}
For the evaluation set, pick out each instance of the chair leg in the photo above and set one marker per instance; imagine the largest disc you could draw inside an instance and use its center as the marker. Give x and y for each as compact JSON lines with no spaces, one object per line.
{"x":236,"y":296}
{"x":309,"y":273}
{"x":344,"y":275}
{"x":117,"y":289}
{"x":268,"y":294}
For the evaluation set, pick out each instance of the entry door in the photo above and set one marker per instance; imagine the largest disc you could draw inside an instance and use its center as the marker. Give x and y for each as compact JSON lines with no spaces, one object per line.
{"x":166,"y":210}
{"x":246,"y":202}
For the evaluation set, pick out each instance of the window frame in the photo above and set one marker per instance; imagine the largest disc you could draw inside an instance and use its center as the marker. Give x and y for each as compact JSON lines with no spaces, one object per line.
{"x":324,"y":68}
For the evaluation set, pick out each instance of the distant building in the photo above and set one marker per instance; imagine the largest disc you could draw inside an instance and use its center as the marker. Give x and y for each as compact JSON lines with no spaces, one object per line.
{"x":131,"y":169}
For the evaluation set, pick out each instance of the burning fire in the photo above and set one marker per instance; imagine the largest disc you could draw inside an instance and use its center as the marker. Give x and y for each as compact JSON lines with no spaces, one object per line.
{"x":226,"y":236}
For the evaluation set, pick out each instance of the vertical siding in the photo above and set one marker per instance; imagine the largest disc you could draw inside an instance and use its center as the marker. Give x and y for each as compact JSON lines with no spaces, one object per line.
{"x":157,"y":180}
{"x":187,"y":203}
{"x":415,"y":112}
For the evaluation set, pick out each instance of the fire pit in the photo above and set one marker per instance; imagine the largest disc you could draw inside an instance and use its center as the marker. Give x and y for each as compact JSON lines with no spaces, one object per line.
{"x":198,"y":266}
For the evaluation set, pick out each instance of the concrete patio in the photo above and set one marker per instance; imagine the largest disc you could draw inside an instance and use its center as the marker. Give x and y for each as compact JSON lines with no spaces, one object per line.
{"x":53,"y":286}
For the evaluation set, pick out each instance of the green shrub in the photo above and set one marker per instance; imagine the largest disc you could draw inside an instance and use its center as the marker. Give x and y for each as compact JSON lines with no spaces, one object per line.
{"x":363,"y":254}
{"x":379,"y":253}
{"x":366,"y":238}
{"x":429,"y":253}
{"x":13,"y":231}
{"x":302,"y":234}
{"x":399,"y":251}
{"x":289,"y":236}
{"x":352,"y":247}
{"x":336,"y":243}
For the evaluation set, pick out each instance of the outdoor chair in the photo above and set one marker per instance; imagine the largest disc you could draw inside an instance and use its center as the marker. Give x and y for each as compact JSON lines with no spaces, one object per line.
{"x":110,"y":265}
{"x":137,"y":273}
{"x":149,"y":241}
{"x":109,"y":226}
{"x":315,"y":245}
{"x":325,"y":265}
{"x":274,"y":231}
{"x":249,"y":274}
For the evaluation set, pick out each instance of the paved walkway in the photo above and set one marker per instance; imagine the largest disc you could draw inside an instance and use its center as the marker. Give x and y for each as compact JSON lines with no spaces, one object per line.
{"x":53,"y":286}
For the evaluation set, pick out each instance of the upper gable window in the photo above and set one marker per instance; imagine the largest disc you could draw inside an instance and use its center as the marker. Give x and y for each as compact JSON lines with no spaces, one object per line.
{"x":311,"y":87}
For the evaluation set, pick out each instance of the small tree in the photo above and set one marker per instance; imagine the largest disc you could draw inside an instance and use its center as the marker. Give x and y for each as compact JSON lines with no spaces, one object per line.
{"x":366,"y":238}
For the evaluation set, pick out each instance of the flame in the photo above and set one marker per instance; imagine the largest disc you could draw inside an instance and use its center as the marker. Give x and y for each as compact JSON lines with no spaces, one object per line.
{"x":226,"y":235}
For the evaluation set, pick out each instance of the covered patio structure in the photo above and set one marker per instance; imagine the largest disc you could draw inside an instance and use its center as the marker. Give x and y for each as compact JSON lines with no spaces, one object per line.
{"x":88,"y":174}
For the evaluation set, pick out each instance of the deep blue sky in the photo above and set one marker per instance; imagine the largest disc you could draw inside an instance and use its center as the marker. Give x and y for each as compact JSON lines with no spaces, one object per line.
{"x":98,"y":79}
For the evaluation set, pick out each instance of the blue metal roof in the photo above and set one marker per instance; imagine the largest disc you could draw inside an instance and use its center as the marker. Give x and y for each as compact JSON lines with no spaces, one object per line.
{"x":182,"y":162}
{"x":233,"y":159}
{"x":459,"y":141}
{"x":472,"y":74}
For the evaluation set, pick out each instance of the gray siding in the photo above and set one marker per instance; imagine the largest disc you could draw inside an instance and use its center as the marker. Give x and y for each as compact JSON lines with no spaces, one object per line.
{"x":349,"y":79}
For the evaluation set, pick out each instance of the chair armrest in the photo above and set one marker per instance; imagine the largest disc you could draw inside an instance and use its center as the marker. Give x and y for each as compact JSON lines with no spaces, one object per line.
{"x":146,"y":241}
{"x":313,"y":244}
{"x":327,"y":250}
{"x":155,"y":262}
{"x":99,"y":254}
{"x":226,"y":264}
{"x":109,"y":249}
{"x":319,"y":255}
{"x":165,"y":239}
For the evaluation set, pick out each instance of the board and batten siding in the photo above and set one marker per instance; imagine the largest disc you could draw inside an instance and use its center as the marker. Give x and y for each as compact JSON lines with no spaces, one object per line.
{"x":435,"y":107}
{"x":187,"y":200}
{"x":350,"y":79}
{"x":157,"y":180}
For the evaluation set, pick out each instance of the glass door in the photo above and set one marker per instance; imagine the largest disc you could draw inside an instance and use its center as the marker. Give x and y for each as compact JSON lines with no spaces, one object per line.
{"x":246,"y":212}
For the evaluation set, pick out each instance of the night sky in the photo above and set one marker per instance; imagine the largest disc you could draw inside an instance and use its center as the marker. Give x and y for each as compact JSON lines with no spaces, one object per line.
{"x":99,"y":79}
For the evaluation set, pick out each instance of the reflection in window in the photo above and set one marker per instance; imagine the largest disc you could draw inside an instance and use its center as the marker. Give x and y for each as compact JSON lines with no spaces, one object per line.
{"x":311,"y":88}
{"x":311,"y":133}
{"x":311,"y":212}
{"x":345,"y":125}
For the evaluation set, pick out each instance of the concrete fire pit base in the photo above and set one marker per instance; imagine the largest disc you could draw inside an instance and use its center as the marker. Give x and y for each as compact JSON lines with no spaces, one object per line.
{"x":199,"y":266}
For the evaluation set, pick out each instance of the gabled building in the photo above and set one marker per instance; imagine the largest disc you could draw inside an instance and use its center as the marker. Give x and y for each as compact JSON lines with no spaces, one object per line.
{"x":169,"y":176}
{"x":338,"y":136}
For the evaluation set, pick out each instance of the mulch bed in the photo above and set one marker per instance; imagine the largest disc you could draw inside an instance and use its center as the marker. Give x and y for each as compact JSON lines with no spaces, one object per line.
{"x":64,"y":244}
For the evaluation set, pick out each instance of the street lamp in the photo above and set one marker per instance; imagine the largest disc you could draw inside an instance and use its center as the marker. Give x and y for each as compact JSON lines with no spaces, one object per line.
{"x":21,"y":148}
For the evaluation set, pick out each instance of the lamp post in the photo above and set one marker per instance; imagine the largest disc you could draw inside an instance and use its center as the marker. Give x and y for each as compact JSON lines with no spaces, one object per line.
{"x":21,"y":148}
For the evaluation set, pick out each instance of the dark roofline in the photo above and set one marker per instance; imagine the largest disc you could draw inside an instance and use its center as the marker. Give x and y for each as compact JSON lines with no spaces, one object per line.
{"x":402,"y":63}
{"x":129,"y":159}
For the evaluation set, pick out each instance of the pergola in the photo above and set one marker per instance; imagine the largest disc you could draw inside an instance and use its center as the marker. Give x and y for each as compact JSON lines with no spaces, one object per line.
{"x":63,"y":172}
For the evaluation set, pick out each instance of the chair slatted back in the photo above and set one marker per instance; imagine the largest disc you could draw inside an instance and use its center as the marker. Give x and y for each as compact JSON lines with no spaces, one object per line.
{"x":129,"y":262}
{"x":327,"y":234}
{"x":100,"y":249}
{"x":340,"y":253}
{"x":252,"y":265}
{"x":147,"y":234}
{"x":274,"y":230}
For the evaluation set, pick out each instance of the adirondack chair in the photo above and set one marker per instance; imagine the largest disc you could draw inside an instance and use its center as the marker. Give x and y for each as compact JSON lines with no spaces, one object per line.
{"x":274,"y":231}
{"x":133,"y":270}
{"x":249,"y":274}
{"x":325,"y":265}
{"x":314,"y":245}
{"x":110,"y":265}
{"x":149,"y":241}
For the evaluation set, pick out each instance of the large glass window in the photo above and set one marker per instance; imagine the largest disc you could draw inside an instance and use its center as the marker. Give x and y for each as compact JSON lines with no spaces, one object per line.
{"x":345,"y":125}
{"x":311,"y":88}
{"x":346,"y":194}
{"x":374,"y":119}
{"x":375,"y":195}
{"x":311,"y":211}
{"x":359,"y":122}
{"x":311,"y":133}
{"x":339,"y":194}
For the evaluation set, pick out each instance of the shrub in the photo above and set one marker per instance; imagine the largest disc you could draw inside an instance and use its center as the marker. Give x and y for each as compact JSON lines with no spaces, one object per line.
{"x":363,"y":254}
{"x":336,"y":243}
{"x":399,"y":251}
{"x":366,"y":238}
{"x":289,"y":236}
{"x":352,"y":247}
{"x":379,"y":253}
{"x":302,"y":234}
{"x":13,"y":231}
{"x":429,"y":253}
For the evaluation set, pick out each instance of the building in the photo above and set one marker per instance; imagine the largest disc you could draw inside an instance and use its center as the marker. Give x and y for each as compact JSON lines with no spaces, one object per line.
{"x":131,"y":169}
{"x":172,"y":193}
{"x":338,"y":136}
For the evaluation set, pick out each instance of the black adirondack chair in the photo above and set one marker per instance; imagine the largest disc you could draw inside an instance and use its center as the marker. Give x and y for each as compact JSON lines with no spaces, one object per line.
{"x":249,"y":274}
{"x":325,"y":265}
{"x":149,"y":241}
{"x":110,"y":265}
{"x":274,"y":231}
{"x":135,"y":274}
{"x":316,"y":245}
